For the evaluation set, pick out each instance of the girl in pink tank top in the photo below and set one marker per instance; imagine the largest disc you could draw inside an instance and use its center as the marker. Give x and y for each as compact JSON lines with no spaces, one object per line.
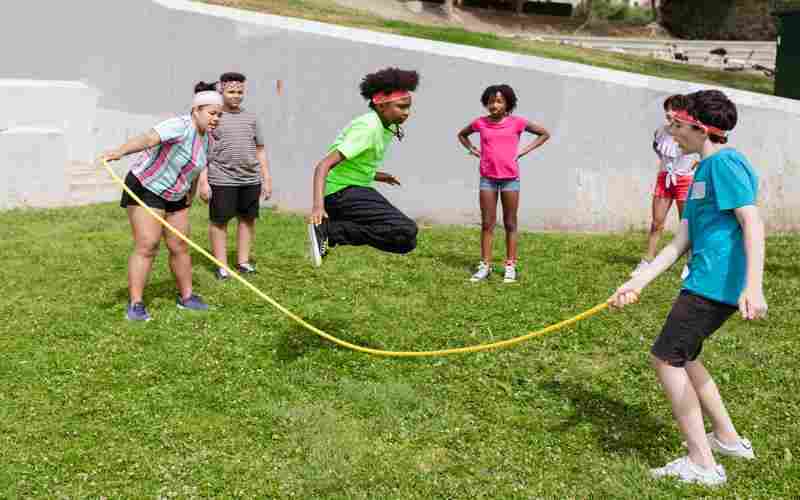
{"x":499,"y":153}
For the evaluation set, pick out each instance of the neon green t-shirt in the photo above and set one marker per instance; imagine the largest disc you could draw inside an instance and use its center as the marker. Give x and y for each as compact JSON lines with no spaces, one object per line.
{"x":363,"y":143}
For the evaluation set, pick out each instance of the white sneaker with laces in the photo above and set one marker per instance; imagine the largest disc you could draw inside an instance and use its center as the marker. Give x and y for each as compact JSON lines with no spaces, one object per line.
{"x":511,"y":274}
{"x":483,"y":272}
{"x":687,"y":472}
{"x":639,"y":267}
{"x":742,"y":449}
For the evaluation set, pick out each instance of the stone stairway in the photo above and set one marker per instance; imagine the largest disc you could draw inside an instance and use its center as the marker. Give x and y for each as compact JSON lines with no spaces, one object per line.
{"x":90,"y":183}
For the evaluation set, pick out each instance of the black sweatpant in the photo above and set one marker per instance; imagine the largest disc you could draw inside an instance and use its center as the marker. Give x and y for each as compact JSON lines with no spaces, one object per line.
{"x":362,"y":216}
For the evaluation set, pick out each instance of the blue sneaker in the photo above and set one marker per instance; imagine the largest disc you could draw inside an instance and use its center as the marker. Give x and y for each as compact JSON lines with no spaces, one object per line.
{"x":193,"y":303}
{"x":137,"y":312}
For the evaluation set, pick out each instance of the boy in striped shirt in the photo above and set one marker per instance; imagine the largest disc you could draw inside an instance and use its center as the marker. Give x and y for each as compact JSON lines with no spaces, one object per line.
{"x":237,"y":177}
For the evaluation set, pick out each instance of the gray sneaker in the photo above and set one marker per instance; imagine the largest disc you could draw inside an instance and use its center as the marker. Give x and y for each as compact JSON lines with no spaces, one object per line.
{"x":742,"y":449}
{"x":221,"y":274}
{"x":687,"y":472}
{"x":246,"y":268}
{"x":137,"y":312}
{"x":510,"y":275}
{"x":193,"y":303}
{"x":483,"y":272}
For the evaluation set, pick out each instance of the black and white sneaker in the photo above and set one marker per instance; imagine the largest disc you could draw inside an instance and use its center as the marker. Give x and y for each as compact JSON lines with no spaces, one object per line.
{"x":246,"y":268}
{"x":317,"y":243}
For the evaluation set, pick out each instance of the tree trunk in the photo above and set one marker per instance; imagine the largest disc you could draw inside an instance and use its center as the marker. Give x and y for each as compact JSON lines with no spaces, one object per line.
{"x":656,"y":11}
{"x":519,"y":5}
{"x":587,"y":7}
{"x":448,"y":7}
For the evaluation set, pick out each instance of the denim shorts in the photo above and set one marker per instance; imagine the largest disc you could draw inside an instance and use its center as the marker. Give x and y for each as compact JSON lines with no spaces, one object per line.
{"x":488,"y":184}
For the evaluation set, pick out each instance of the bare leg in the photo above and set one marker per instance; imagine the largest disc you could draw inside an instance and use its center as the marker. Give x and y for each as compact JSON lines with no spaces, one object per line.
{"x":661,"y":208}
{"x":218,"y":236}
{"x":686,"y":410}
{"x":711,"y":402}
{"x":510,"y":201}
{"x":146,"y":236}
{"x":488,"y":200}
{"x":179,"y":259}
{"x":246,"y":233}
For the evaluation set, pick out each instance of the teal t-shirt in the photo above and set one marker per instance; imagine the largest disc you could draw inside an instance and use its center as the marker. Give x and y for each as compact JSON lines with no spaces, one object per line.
{"x":722,"y":182}
{"x":363,"y":143}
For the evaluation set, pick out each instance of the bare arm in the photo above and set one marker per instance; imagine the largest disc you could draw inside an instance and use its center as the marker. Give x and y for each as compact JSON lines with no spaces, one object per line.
{"x":463,"y":138}
{"x":320,"y":173}
{"x":266,"y":178}
{"x":752,"y":303}
{"x":387,"y":178}
{"x":629,"y":292}
{"x":139,"y":143}
{"x":204,"y":188}
{"x":193,"y":191}
{"x":543,"y":136}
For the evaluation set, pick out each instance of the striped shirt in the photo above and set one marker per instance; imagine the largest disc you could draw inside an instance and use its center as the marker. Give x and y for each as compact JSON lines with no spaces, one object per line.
{"x":169,"y":169}
{"x":233,"y":161}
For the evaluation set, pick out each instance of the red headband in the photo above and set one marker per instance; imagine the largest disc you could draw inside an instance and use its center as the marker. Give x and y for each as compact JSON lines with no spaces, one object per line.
{"x":381,"y":98}
{"x":685,"y":117}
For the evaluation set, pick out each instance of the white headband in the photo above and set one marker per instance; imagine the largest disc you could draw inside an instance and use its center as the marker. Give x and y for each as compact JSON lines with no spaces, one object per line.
{"x":207,"y":97}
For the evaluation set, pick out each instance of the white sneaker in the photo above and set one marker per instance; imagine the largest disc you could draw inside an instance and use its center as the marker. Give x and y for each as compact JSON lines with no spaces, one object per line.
{"x":742,"y":449}
{"x":511,"y":274}
{"x":639,"y":267}
{"x":483,"y":272}
{"x":685,"y":272}
{"x":687,"y":472}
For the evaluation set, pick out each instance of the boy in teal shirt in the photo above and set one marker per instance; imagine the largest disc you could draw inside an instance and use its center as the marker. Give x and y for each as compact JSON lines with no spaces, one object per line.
{"x":346,"y":209}
{"x":724,"y":230}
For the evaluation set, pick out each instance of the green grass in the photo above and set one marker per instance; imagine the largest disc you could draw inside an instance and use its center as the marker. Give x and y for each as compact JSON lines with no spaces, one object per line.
{"x":329,"y":12}
{"x":241,"y":403}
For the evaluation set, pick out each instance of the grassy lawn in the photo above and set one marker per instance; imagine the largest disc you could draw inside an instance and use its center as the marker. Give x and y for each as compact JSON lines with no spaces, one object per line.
{"x":329,"y":12}
{"x":240,"y":403}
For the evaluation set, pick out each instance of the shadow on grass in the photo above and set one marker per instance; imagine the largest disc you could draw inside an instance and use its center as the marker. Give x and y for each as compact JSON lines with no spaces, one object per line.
{"x":456,"y":262}
{"x":295,"y":341}
{"x":783,"y":270}
{"x":161,"y":289}
{"x":621,"y":259}
{"x":620,"y":428}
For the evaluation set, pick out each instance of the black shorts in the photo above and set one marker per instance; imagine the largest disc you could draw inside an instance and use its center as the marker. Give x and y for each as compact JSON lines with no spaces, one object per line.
{"x":228,"y":202}
{"x":692,"y":320}
{"x":150,"y":199}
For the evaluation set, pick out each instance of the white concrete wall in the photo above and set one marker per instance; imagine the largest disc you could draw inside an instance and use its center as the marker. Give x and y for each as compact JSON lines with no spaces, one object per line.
{"x":32,"y":172}
{"x":595,"y":174}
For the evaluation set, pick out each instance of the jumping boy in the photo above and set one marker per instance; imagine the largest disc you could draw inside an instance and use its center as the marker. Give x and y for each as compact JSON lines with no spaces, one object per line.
{"x":346,"y":209}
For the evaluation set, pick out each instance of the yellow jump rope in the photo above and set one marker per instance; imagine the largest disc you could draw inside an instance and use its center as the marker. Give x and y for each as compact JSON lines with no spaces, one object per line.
{"x":343,"y":343}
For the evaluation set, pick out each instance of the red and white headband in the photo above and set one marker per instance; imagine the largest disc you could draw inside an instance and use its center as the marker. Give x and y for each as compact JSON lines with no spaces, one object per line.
{"x":382,"y":98}
{"x":232,"y":85}
{"x":684,"y":117}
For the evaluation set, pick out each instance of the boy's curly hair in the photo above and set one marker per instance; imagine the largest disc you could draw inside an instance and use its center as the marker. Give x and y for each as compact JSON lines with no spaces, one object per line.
{"x":388,"y":80}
